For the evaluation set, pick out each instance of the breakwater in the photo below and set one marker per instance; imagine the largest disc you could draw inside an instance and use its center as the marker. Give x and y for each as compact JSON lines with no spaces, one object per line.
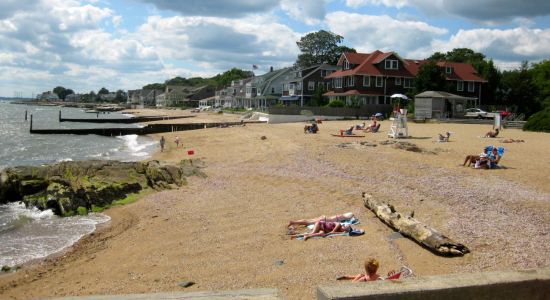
{"x":131,"y":120}
{"x":149,"y":129}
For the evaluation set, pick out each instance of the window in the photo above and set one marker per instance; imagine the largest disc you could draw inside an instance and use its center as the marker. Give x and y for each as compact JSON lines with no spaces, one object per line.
{"x":323,"y":73}
{"x":460,"y":86}
{"x":298,"y":74}
{"x":379,"y":81}
{"x":407,"y":82}
{"x":471,"y":86}
{"x":338,"y":82}
{"x":311,"y":85}
{"x":397,"y":80}
{"x":285,"y":87}
{"x":392,"y":64}
{"x":299,"y":86}
{"x":449,"y":70}
{"x":351,"y":81}
{"x":273,"y":90}
{"x":366,"y":80}
{"x":346,"y":65}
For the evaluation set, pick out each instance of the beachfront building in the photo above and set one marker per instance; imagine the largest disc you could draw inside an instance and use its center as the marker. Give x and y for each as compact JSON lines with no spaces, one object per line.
{"x":265,"y":90}
{"x":107,"y":97}
{"x":47,"y":96}
{"x":371,"y":78}
{"x":304,"y":82}
{"x":143,"y":97}
{"x":184,"y":96}
{"x":233,"y":95}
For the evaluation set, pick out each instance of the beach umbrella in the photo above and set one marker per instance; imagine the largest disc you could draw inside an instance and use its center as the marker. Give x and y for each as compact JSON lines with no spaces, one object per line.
{"x":399,"y":96}
{"x":378,"y":114}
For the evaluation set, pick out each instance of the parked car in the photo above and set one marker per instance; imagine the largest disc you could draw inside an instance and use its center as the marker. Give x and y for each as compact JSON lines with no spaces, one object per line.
{"x":478,"y":113}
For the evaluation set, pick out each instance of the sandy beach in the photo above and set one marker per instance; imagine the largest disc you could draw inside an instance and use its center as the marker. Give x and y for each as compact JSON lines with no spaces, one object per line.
{"x":228,"y":231}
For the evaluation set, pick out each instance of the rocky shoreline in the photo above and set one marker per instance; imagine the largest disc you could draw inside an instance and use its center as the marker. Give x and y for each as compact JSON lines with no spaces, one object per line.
{"x":69,"y":188}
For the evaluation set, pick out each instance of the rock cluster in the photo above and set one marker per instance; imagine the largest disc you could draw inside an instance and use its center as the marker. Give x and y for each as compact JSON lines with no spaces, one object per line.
{"x":68,"y":187}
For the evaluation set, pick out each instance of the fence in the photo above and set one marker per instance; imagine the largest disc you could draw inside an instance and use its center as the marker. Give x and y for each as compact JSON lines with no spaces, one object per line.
{"x":365,"y":111}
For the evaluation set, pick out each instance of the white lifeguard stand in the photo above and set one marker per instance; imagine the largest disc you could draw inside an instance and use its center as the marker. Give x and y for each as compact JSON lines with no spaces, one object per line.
{"x":399,"y":128}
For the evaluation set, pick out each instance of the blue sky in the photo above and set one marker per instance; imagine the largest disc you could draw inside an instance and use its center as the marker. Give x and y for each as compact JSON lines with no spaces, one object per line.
{"x":123,"y":44}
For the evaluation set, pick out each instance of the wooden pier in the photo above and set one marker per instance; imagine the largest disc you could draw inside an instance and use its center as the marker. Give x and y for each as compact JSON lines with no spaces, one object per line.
{"x":131,"y":120}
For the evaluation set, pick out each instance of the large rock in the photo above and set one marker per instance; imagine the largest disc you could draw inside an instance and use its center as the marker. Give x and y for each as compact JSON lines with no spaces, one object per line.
{"x":66,"y":186}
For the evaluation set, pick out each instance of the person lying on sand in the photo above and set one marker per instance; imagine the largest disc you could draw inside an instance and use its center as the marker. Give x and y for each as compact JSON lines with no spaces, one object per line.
{"x":336,"y":218}
{"x":360,"y":126}
{"x":324,"y":229}
{"x":512,"y":141}
{"x":492,"y":134}
{"x":371,"y":267}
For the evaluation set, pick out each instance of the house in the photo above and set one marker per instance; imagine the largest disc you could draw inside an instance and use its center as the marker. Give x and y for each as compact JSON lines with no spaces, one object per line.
{"x":185,"y":96}
{"x":143,"y":97}
{"x":371,"y":78}
{"x":439,"y":105}
{"x":302,"y":86}
{"x":265,"y":90}
{"x":107,"y":97}
{"x":47,"y":96}
{"x":232,"y":96}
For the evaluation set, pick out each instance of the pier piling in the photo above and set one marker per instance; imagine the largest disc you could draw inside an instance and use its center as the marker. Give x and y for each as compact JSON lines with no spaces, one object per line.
{"x":26,"y":115}
{"x":31,"y":124}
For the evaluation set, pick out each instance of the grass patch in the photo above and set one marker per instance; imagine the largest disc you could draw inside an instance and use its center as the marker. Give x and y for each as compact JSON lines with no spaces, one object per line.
{"x":81,"y":211}
{"x":129,"y":199}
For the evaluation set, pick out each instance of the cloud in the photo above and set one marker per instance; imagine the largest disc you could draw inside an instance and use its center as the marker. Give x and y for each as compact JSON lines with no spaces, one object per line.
{"x":218,"y":8}
{"x":10,"y":7}
{"x":506,"y":45}
{"x":311,"y":12}
{"x":481,"y":11}
{"x":367,"y":33}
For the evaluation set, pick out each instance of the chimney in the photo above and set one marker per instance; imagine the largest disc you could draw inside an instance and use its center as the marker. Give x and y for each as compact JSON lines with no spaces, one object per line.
{"x":271,"y":69}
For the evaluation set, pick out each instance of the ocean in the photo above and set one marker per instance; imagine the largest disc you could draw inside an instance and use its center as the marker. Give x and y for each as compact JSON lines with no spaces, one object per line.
{"x":26,"y":233}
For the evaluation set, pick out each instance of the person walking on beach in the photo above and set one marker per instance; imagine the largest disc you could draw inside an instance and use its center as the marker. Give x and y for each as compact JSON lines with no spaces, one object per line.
{"x":177,"y":141}
{"x":162,"y":141}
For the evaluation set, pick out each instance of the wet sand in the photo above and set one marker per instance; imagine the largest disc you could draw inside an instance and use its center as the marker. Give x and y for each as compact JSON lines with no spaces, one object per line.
{"x":228,"y":231}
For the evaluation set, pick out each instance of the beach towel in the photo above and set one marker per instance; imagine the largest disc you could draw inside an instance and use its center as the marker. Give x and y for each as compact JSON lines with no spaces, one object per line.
{"x":352,"y":221}
{"x":355,"y":232}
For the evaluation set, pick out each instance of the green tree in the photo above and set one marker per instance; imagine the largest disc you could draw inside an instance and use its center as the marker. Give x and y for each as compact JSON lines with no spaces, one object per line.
{"x":155,"y":86}
{"x":541,"y":79}
{"x":520,"y":90}
{"x":103,"y":91}
{"x":430,"y":77}
{"x":62,"y":92}
{"x":226,"y":77}
{"x":320,"y":47}
{"x":317,"y":99}
{"x":120,"y":96}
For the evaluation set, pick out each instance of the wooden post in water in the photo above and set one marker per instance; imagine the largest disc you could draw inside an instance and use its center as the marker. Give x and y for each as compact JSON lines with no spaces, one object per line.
{"x":59,"y":115}
{"x":31,"y":124}
{"x":26,"y":115}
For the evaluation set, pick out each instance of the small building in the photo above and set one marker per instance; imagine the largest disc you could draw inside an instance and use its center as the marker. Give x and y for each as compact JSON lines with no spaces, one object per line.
{"x":441,"y":105}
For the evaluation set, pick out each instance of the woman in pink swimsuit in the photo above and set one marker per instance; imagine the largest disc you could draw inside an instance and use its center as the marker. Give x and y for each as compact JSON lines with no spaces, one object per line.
{"x":323,"y":229}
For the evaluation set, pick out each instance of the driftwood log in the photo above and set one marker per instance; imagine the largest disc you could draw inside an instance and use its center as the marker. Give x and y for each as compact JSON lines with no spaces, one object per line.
{"x":412,"y":228}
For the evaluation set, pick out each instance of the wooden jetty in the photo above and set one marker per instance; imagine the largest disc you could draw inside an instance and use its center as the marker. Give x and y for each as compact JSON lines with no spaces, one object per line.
{"x":149,"y":129}
{"x":131,"y":120}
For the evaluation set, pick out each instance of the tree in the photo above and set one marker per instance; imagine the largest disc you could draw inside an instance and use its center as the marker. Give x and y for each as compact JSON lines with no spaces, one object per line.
{"x":541,"y":79}
{"x":234,"y":74}
{"x":430,"y":77}
{"x":62,"y":92}
{"x":120,"y":96}
{"x":520,"y":90}
{"x":317,"y":99}
{"x":320,"y":47}
{"x":103,"y":91}
{"x":155,"y":86}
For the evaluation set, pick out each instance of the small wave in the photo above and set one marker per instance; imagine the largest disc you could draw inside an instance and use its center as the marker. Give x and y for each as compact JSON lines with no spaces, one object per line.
{"x":64,"y":159}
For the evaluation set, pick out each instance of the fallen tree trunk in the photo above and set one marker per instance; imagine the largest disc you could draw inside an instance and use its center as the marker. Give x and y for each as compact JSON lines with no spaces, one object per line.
{"x":412,"y":228}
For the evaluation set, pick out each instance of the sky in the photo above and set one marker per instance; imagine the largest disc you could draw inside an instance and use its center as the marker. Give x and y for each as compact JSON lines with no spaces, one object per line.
{"x":124,"y":44}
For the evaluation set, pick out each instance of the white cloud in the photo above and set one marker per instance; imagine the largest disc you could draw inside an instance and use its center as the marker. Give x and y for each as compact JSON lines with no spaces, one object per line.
{"x":367,"y":33}
{"x":310,"y":12}
{"x":219,"y":8}
{"x":389,"y":3}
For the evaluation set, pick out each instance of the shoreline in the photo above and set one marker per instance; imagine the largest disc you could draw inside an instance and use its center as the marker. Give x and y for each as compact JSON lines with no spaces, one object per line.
{"x":161,"y":239}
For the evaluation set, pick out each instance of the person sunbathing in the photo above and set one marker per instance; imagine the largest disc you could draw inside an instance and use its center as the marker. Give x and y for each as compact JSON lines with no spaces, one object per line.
{"x":444,"y":138}
{"x":473,"y":159}
{"x":371,"y":267}
{"x":492,"y":134}
{"x":336,"y":218}
{"x":323,"y":229}
{"x":347,"y":132}
{"x":360,"y":126}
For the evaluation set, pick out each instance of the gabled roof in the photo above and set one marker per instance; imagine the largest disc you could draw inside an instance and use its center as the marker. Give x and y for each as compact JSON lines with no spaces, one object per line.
{"x":367,"y":64}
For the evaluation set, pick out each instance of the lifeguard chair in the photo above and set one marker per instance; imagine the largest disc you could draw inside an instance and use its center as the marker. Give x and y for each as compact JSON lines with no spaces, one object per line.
{"x":399,"y":128}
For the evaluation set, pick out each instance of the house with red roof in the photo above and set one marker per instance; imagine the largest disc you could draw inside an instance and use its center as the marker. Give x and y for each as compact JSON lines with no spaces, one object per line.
{"x":371,"y":78}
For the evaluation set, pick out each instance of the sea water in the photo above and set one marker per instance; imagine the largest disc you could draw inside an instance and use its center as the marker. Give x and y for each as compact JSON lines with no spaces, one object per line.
{"x":28,"y":234}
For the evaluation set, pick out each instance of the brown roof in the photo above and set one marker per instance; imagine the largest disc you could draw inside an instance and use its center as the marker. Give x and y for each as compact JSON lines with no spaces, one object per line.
{"x":368,"y":65}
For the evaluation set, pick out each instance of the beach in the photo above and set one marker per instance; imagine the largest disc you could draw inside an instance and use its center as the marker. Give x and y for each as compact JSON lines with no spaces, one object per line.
{"x":228,"y":231}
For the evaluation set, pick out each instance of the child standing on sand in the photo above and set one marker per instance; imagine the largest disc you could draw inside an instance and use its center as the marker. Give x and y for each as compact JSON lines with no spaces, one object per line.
{"x":177,"y":141}
{"x":162,"y":141}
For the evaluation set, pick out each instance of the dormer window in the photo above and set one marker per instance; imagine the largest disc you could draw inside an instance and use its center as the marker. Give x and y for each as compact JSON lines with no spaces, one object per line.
{"x":298,"y":74}
{"x":449,"y":70}
{"x":346,"y":65}
{"x":392,"y":64}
